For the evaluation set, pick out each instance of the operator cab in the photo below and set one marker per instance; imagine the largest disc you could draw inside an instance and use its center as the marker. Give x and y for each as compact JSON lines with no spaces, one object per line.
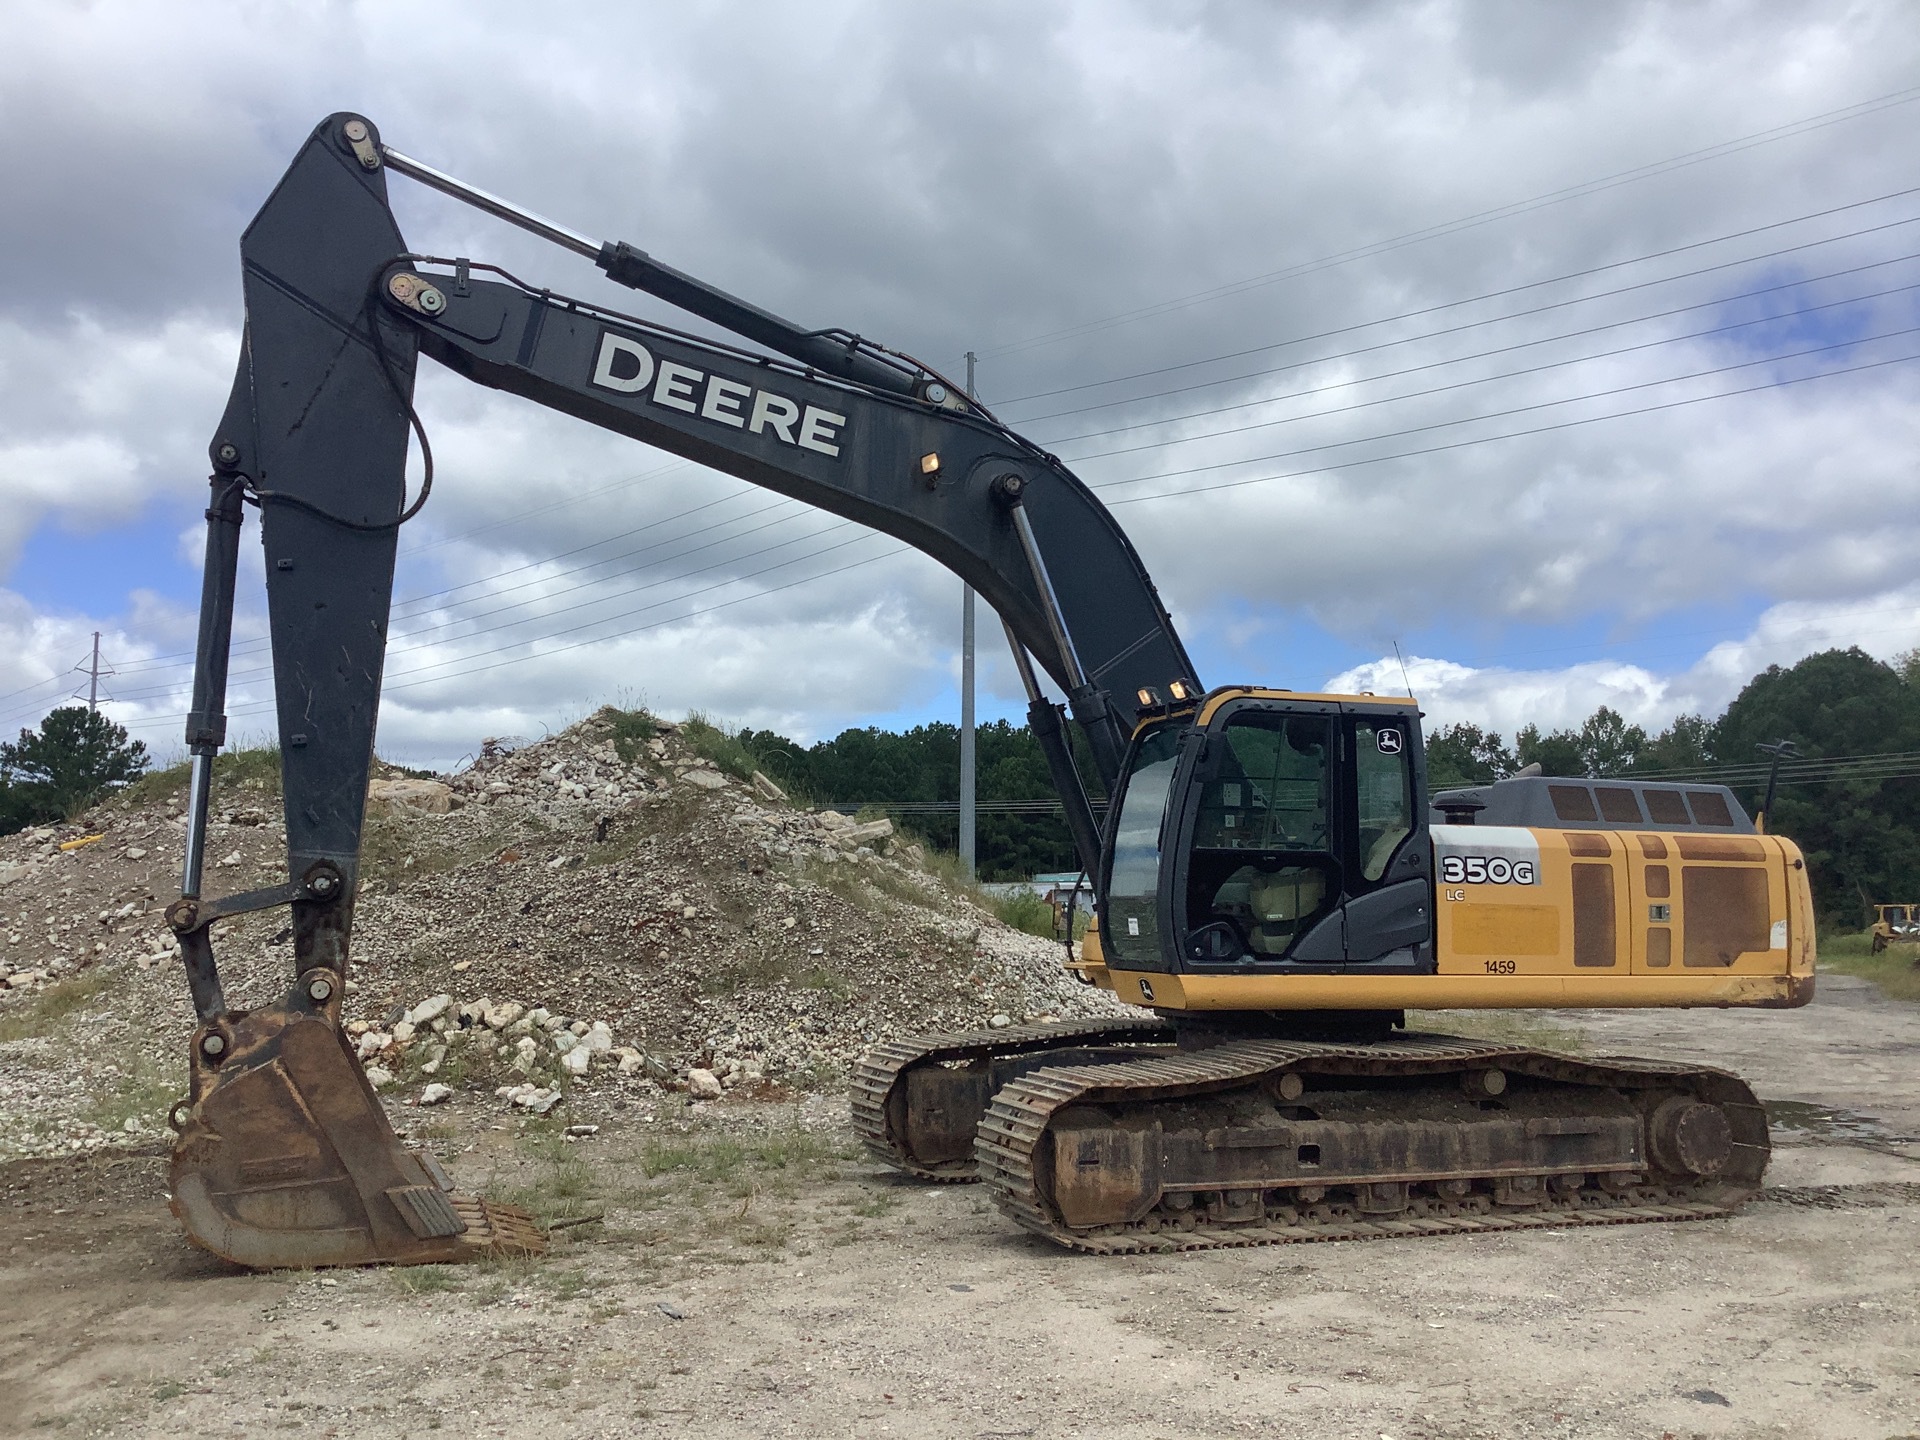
{"x":1268,"y":831}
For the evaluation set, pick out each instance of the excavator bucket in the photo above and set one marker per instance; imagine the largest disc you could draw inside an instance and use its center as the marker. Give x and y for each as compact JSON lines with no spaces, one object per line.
{"x":285,"y":1159}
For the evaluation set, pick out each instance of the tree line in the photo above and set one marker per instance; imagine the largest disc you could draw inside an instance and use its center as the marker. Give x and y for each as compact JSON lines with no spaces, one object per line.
{"x":1860,"y":833}
{"x":1859,"y":826}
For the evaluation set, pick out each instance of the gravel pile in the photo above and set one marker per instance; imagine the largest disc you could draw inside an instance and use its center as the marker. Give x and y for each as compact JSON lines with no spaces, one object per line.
{"x":599,"y":914}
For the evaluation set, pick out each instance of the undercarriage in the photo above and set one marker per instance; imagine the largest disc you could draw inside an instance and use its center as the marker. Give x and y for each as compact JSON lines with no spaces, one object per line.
{"x":1111,"y":1137}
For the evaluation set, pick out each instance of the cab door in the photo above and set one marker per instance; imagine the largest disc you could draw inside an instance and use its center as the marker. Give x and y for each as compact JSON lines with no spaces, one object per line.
{"x":1390,"y":902}
{"x":1303,"y":841}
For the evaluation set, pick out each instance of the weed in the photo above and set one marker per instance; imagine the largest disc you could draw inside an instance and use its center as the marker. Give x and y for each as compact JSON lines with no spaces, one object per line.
{"x":717,"y":747}
{"x":875,"y":1206}
{"x":721,"y":1160}
{"x":168,"y":1390}
{"x":51,"y":1005}
{"x":564,"y":1282}
{"x":425,"y":1279}
{"x":255,"y":767}
{"x":144,"y":1096}
{"x":1024,"y":910}
{"x":630,"y":730}
{"x":561,"y":1182}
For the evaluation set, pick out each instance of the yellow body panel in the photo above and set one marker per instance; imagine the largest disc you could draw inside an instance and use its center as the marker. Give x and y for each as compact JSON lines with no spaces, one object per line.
{"x":1614,"y":919}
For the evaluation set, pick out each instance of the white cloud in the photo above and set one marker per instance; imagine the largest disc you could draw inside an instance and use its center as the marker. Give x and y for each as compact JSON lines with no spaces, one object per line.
{"x":1504,"y":699}
{"x":948,"y":178}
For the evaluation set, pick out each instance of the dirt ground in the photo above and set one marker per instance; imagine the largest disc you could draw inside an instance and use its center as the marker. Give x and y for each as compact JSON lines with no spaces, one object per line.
{"x":752,"y":1275}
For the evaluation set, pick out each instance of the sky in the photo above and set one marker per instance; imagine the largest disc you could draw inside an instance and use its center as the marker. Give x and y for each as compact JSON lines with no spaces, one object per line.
{"x":1530,"y":357}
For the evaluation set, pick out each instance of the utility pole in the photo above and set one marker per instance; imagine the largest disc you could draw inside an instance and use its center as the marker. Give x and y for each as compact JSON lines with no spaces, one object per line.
{"x":967,"y":763}
{"x":93,"y":678}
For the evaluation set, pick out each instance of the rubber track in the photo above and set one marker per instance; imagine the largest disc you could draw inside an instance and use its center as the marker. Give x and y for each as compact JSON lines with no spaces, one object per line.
{"x":1021,"y":1111}
{"x":877,"y":1071}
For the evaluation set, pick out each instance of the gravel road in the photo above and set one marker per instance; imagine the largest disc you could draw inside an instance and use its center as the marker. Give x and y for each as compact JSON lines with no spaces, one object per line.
{"x":753,"y":1276}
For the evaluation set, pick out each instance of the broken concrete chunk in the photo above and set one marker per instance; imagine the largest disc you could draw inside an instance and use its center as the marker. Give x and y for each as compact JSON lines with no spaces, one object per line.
{"x":430,"y":1009}
{"x":766,"y":788}
{"x":576,"y":1060}
{"x":705,"y":779}
{"x":436,"y":1094}
{"x":704,"y":1085}
{"x":424,"y":797}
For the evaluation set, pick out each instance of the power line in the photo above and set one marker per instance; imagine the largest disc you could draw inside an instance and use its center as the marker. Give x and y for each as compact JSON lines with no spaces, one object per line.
{"x":1125,"y":500}
{"x":1512,"y":290}
{"x":1521,"y":345}
{"x":1590,"y":187}
{"x":1487,"y":439}
{"x":1520,"y":373}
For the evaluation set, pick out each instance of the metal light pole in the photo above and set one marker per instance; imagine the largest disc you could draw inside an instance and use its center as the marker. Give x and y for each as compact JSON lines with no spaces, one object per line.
{"x":967,"y":766}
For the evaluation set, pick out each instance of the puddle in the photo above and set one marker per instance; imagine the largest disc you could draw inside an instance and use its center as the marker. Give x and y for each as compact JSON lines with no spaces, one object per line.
{"x":1826,"y":1123}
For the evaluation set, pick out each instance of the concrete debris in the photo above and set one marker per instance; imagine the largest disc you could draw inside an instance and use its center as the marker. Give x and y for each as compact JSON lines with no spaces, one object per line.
{"x":691,"y":927}
{"x":426,"y":797}
{"x":436,"y":1094}
{"x":530,"y":1097}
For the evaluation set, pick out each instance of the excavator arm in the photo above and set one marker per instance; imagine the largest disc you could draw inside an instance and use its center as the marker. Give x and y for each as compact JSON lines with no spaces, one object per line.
{"x":285,"y":1157}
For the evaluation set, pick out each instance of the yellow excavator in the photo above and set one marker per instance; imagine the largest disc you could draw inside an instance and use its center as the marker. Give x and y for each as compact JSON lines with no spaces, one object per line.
{"x":1273,"y":885}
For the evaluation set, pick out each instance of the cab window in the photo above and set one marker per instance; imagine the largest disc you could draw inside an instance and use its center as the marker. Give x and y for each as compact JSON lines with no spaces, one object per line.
{"x":1383,"y":776}
{"x":1132,"y":930}
{"x":1262,"y":868}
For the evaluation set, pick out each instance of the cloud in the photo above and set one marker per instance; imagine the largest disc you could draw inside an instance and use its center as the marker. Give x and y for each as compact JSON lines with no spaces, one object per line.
{"x":951,"y":178}
{"x":1505,"y":700}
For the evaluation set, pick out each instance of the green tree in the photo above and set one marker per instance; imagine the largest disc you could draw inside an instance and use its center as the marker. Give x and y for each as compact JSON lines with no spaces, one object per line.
{"x":1681,"y":746}
{"x":879,"y":767}
{"x":1460,"y":755}
{"x":76,"y":757}
{"x":1556,"y":753}
{"x":1860,"y":835}
{"x":1608,"y":744}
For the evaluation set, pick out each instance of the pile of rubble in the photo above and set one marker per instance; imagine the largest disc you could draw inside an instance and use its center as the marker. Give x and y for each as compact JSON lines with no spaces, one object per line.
{"x":662,"y":925}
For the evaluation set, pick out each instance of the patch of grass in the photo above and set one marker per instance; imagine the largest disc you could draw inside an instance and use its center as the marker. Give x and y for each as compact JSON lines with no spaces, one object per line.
{"x":52,"y":1005}
{"x":425,"y":1279}
{"x":736,"y":1163}
{"x":1896,"y":970}
{"x":1024,"y":910}
{"x":145,"y":1096}
{"x":630,"y":730}
{"x":251,"y":767}
{"x":560,"y":1184}
{"x":1505,"y":1027}
{"x":717,"y":747}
